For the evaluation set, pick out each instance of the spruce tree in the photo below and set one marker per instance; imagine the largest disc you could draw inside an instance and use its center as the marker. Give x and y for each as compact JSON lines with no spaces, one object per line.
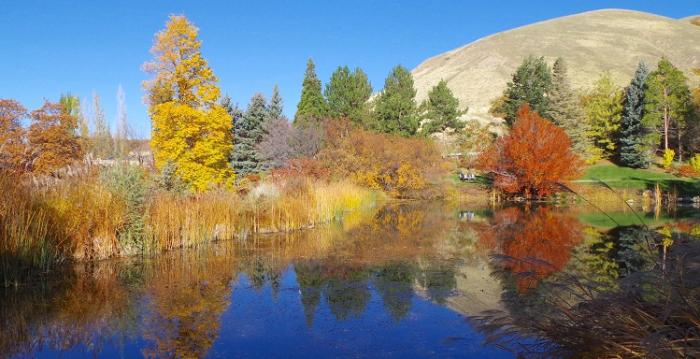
{"x":441,"y":110}
{"x":395,"y":110}
{"x":565,"y":110}
{"x":530,"y":85}
{"x":632,"y":146}
{"x":312,"y":106}
{"x":248,"y":132}
{"x":276,"y":104}
{"x":347,"y":94}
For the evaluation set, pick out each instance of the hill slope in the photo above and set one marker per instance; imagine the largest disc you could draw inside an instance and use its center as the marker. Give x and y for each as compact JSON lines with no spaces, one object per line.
{"x":591,"y":42}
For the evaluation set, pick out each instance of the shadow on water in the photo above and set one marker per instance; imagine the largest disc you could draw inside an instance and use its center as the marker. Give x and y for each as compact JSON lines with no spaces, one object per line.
{"x":531,"y":281}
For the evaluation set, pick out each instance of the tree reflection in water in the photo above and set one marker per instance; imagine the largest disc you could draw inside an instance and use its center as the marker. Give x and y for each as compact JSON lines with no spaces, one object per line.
{"x":173,"y":305}
{"x":587,"y":293}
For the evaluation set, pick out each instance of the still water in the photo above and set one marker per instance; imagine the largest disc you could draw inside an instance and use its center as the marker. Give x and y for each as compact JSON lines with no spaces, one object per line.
{"x":408,"y":280}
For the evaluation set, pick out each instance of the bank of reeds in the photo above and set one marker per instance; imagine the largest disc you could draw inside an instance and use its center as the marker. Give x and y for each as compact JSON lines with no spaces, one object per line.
{"x":96,"y":217}
{"x":176,"y":221}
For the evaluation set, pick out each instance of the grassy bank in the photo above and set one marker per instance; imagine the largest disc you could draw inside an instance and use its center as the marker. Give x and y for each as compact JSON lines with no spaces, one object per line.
{"x":625,"y":178}
{"x":124,"y":212}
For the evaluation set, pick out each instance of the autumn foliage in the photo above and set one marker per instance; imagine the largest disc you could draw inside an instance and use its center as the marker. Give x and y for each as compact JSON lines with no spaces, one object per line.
{"x":52,"y":140}
{"x":400,"y":166}
{"x":532,"y":159}
{"x":12,"y":145}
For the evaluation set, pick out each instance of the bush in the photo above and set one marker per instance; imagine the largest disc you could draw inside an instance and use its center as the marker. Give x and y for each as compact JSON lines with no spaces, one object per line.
{"x":533,"y":159}
{"x":129,"y":184}
{"x":667,"y":160}
{"x":403,"y":167}
{"x":695,"y":162}
{"x":686,"y":171}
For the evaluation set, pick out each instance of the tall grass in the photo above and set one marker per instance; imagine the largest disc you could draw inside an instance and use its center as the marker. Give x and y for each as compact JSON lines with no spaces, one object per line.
{"x":176,"y":221}
{"x":121,"y":212}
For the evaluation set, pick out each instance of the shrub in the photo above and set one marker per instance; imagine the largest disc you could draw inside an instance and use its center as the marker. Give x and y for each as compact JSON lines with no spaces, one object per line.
{"x":533,"y":159}
{"x":695,"y":162}
{"x":667,"y":160}
{"x":686,"y":171}
{"x":402,"y":167}
{"x":129,"y":184}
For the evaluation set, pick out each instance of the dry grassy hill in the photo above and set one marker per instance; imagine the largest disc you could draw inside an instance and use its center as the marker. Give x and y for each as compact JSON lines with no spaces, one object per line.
{"x":591,"y":42}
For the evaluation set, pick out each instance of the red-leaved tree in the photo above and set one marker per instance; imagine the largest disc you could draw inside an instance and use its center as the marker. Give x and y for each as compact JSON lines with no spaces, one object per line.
{"x":532,"y":159}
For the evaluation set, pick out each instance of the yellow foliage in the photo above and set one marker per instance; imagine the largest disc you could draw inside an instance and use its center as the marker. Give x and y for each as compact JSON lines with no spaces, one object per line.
{"x":197,"y":141}
{"x":695,"y":162}
{"x":190,"y":129}
{"x":666,"y":162}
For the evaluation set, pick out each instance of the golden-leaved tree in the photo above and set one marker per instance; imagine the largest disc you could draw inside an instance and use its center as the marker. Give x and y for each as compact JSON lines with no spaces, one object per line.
{"x":190,"y":129}
{"x":53,"y":143}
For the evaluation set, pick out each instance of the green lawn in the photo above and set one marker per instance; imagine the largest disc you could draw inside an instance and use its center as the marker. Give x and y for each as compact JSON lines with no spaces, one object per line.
{"x":629,"y":178}
{"x":610,"y":220}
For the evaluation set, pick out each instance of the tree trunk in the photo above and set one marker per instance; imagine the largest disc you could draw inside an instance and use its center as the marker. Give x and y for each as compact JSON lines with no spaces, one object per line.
{"x":680,"y":145}
{"x":666,"y":119}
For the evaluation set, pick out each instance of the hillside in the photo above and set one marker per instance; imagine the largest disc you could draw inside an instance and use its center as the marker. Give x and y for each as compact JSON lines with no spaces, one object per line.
{"x":591,"y":42}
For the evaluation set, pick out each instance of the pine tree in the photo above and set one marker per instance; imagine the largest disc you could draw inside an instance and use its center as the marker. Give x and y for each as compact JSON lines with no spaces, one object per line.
{"x":531,"y":83}
{"x":565,"y":110}
{"x":347,"y":94}
{"x":190,"y":129}
{"x":248,"y":133}
{"x":633,"y":150}
{"x":395,"y":108}
{"x":312,"y":107}
{"x":666,"y":104}
{"x":276,"y":106}
{"x":441,"y":110}
{"x":603,"y":108}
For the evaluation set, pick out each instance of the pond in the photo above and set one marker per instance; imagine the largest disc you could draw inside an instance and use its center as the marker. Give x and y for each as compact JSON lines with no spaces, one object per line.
{"x":409,"y":280}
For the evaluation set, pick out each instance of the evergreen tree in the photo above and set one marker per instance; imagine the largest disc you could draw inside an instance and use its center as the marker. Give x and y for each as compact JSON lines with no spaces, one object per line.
{"x":531,"y":83}
{"x":191,"y":129}
{"x":347,"y":94}
{"x":603,"y":108}
{"x":248,"y":132}
{"x":395,"y":109}
{"x":633,"y":151}
{"x":666,"y":104}
{"x":441,"y":110}
{"x":565,"y":110}
{"x":276,"y":106}
{"x":312,"y":106}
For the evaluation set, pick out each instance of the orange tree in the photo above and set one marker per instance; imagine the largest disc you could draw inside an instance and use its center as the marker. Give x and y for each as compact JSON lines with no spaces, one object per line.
{"x":52,"y":140}
{"x":12,"y":144}
{"x":532,"y":159}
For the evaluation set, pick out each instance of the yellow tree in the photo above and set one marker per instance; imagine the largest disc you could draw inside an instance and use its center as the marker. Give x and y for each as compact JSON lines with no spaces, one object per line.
{"x":190,"y":129}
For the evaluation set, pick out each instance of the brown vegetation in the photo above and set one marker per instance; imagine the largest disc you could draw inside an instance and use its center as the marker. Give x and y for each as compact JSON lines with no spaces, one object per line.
{"x":400,"y":166}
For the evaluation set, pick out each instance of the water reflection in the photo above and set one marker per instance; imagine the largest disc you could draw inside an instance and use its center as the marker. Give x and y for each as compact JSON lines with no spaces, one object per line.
{"x":399,"y":283}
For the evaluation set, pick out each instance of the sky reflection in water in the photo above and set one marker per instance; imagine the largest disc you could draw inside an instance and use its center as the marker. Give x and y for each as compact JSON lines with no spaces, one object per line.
{"x":399,"y":283}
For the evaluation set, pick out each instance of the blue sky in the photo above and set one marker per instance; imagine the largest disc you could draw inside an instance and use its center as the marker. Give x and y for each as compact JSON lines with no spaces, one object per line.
{"x":52,"y":47}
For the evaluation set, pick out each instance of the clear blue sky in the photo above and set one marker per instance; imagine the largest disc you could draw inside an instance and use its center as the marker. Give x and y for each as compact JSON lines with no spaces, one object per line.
{"x":51,"y":47}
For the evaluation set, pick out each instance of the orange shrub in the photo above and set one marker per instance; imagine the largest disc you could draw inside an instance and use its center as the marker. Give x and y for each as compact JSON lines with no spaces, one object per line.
{"x":532,"y":159}
{"x":400,"y":166}
{"x":686,"y":171}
